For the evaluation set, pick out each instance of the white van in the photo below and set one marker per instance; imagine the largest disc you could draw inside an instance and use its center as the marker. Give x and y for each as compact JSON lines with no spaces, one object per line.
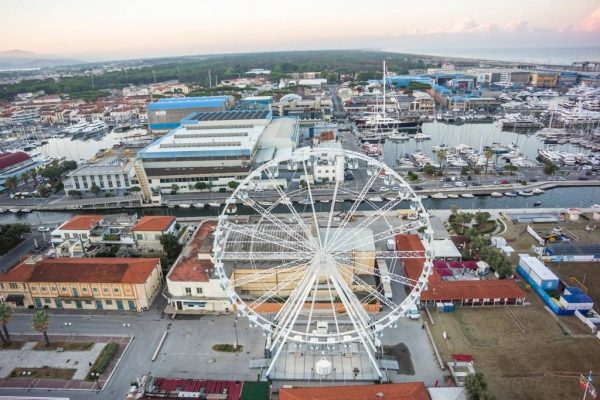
{"x":413,"y":312}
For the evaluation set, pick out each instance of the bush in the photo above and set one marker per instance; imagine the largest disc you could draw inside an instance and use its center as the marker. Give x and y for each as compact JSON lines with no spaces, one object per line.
{"x":74,"y":193}
{"x":135,"y":189}
{"x":104,"y":358}
{"x":222,"y":190}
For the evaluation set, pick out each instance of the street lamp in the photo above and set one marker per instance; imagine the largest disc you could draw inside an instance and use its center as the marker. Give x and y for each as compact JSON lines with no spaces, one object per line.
{"x":96,"y":376}
{"x":236,"y":333}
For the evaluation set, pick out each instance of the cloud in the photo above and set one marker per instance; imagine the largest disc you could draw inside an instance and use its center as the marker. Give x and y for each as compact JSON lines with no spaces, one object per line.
{"x":592,"y":22}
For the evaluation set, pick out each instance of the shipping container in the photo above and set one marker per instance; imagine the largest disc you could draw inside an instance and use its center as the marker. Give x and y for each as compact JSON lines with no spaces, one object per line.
{"x":538,"y":272}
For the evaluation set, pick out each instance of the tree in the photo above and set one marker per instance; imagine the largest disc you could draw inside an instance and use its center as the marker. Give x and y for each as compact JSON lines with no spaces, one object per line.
{"x":442,"y":157}
{"x":200,"y":186}
{"x":511,"y":169}
{"x":476,"y":387}
{"x":171,"y":246}
{"x":302,"y":183}
{"x":94,"y":189}
{"x":482,"y":217}
{"x":550,"y":168}
{"x":5,"y":316}
{"x":135,"y":189}
{"x":174,"y":188}
{"x":34,"y":175}
{"x":43,"y":190}
{"x":487,"y":154}
{"x":40,"y":323}
{"x":25,"y":177}
{"x":453,"y":209}
{"x":11,"y":183}
{"x":11,"y":235}
{"x":429,"y":169}
{"x":233,"y":184}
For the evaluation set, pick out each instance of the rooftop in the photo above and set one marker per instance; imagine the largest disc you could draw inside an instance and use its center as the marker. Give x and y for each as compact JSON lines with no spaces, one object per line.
{"x":190,"y":268}
{"x":395,"y":391}
{"x":189,"y":102}
{"x":234,"y":115}
{"x":170,"y":388}
{"x":92,"y":270}
{"x":81,"y":223}
{"x":154,"y":223}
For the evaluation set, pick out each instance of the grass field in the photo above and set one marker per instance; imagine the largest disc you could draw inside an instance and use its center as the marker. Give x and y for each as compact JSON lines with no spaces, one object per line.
{"x":539,"y":362}
{"x":43,"y":373}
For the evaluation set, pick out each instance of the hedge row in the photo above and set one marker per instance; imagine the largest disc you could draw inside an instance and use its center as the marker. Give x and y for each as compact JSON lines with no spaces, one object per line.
{"x":104,"y":358}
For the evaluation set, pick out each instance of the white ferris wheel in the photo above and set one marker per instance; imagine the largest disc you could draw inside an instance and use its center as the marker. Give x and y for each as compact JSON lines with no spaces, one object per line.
{"x":311,"y":271}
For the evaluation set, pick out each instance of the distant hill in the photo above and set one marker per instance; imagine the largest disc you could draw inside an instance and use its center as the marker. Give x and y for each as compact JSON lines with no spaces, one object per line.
{"x":21,"y":59}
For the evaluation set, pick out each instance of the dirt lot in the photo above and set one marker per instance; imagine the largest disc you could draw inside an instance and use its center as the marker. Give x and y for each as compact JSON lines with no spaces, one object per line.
{"x":586,"y":273}
{"x":540,"y":362}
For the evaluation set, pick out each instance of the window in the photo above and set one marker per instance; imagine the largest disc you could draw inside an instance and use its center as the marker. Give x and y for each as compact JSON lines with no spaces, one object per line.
{"x":105,"y":290}
{"x":188,"y":291}
{"x":95,"y":290}
{"x":64,"y":288}
{"x":109,"y":302}
{"x":43,"y":288}
{"x":33,"y":289}
{"x":139,"y":236}
{"x":116,"y":290}
{"x":53,"y":288}
{"x":67,"y":301}
{"x":198,"y":290}
{"x":88,"y":302}
{"x":13,"y":285}
{"x":84,"y":289}
{"x":47,"y":301}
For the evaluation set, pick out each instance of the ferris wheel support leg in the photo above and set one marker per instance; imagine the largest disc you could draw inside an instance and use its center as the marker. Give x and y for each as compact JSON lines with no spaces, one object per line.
{"x":363,"y":340}
{"x":287,"y":329}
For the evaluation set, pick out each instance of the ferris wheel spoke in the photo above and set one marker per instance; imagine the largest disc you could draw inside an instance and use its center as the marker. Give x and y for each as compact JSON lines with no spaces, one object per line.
{"x":357,"y":314}
{"x":312,"y":202}
{"x":333,"y":202}
{"x":365,"y":269}
{"x":288,"y":318}
{"x":251,"y":231}
{"x":268,"y":295}
{"x":334,"y":311}
{"x":268,"y":273}
{"x":371,"y":290}
{"x":350,"y":245}
{"x":359,"y":199}
{"x":283,"y":334}
{"x":371,"y":218}
{"x":279,"y":223}
{"x":288,"y":203}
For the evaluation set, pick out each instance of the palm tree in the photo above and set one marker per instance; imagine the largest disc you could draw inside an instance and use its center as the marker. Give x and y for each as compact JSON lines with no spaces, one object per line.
{"x":25,"y":177}
{"x":40,"y":323}
{"x":487,"y":154}
{"x":5,"y":316}
{"x":442,"y":157}
{"x":34,"y":175}
{"x":11,"y":183}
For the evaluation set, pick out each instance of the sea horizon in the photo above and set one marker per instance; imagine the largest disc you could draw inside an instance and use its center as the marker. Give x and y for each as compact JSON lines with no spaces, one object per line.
{"x":545,"y":55}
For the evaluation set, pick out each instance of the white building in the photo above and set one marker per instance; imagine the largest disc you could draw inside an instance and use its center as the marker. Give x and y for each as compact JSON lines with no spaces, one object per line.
{"x":192,"y":286}
{"x":149,"y":230}
{"x":78,"y":228}
{"x":329,"y":167}
{"x":214,"y":148}
{"x":111,"y":174}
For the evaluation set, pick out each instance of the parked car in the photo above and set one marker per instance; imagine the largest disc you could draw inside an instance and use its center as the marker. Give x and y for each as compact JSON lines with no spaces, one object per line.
{"x":504,"y":182}
{"x":43,"y":229}
{"x":446,"y":185}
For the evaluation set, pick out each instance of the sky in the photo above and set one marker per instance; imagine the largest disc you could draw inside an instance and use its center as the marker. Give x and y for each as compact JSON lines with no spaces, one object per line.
{"x":114,"y":29}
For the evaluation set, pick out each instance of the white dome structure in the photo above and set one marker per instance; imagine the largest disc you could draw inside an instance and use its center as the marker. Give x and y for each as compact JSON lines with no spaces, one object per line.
{"x":323,"y":367}
{"x":288,"y":98}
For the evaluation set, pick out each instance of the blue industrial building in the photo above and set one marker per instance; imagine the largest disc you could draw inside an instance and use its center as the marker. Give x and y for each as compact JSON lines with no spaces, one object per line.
{"x":166,"y":114}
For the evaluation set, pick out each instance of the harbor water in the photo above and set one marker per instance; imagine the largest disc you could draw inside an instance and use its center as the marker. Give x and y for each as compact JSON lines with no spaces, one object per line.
{"x":558,"y":197}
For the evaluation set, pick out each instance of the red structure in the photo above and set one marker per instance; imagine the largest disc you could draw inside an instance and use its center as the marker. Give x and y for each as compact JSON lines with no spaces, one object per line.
{"x":459,"y":292}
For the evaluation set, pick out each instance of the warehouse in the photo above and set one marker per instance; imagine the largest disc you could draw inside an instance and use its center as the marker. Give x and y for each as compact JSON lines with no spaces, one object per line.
{"x":166,"y":114}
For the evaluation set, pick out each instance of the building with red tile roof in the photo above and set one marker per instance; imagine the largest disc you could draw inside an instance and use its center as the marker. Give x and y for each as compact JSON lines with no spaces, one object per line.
{"x":148,"y":231}
{"x":79,"y":228}
{"x":393,"y":391}
{"x":84,"y":283}
{"x":192,"y":286}
{"x":460,"y":292}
